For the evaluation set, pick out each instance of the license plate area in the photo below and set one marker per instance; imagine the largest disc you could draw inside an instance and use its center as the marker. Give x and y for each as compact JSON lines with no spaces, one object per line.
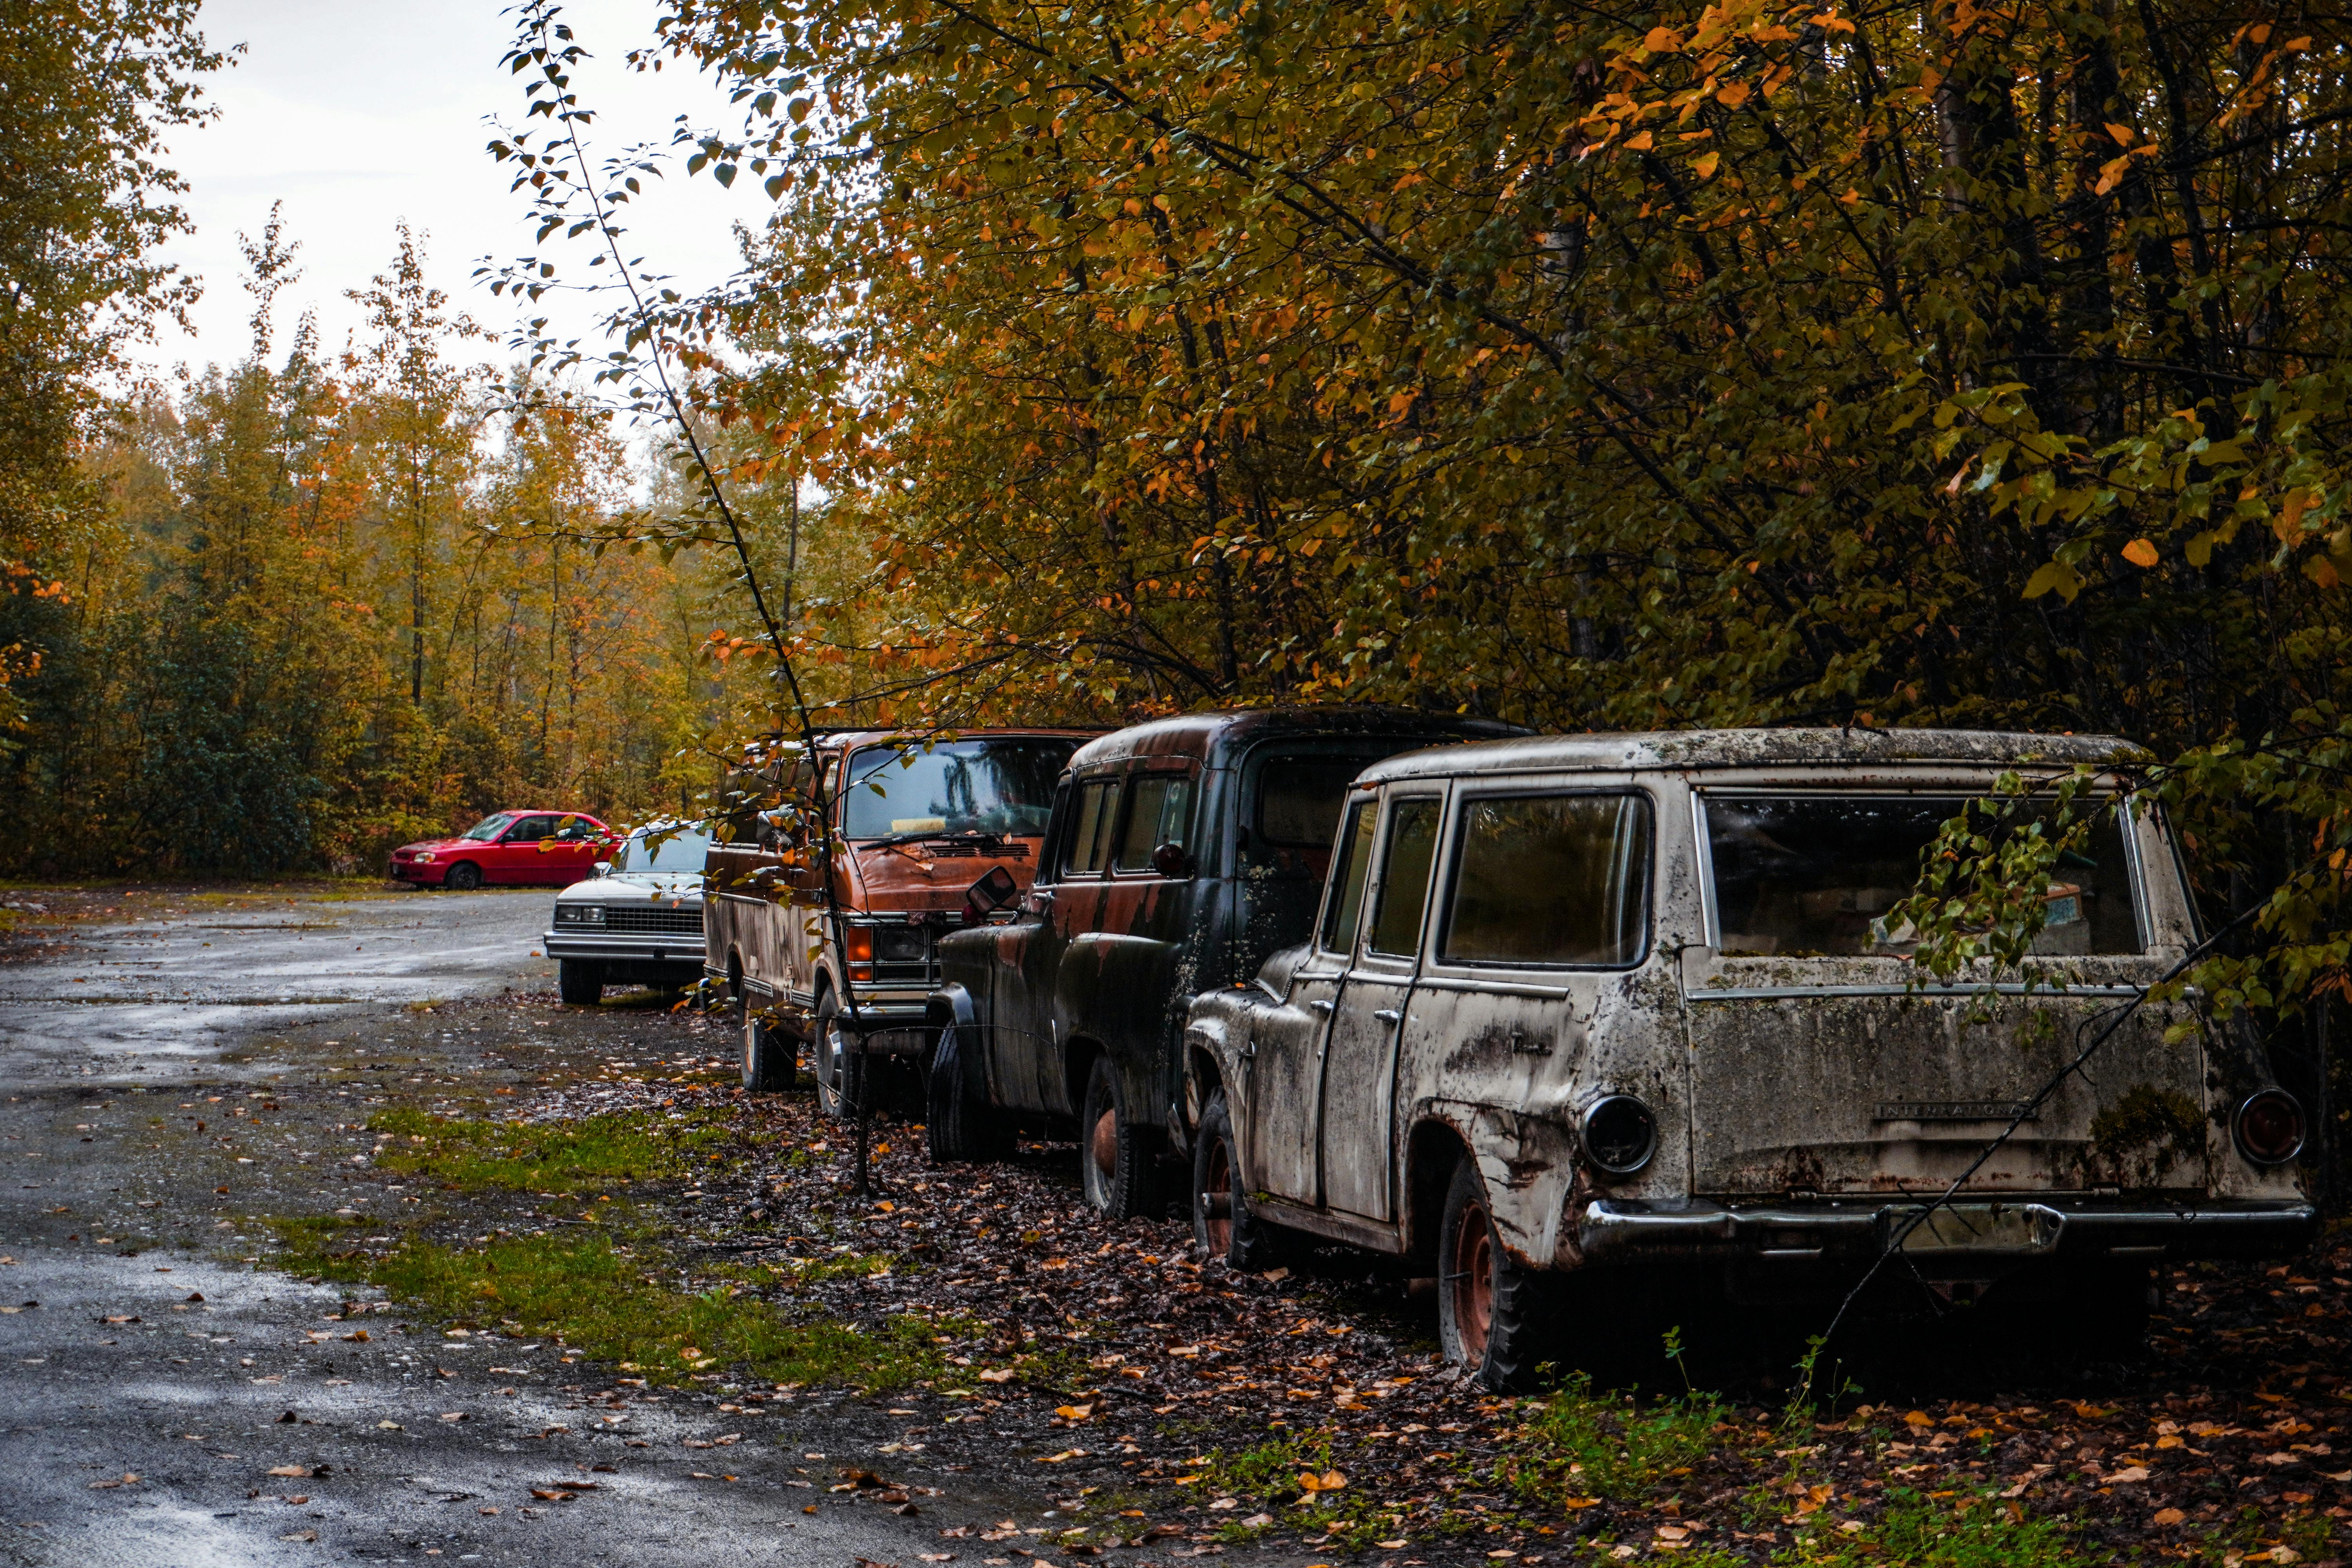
{"x":1992,"y":1230}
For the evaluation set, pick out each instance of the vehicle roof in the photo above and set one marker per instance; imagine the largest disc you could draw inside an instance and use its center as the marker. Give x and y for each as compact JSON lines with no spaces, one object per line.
{"x":846,"y":740}
{"x":1219,"y":733}
{"x":1720,"y":749}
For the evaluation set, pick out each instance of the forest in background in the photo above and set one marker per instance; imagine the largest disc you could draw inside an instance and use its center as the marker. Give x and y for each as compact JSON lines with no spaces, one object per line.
{"x":1693,"y":364}
{"x":288,"y":611}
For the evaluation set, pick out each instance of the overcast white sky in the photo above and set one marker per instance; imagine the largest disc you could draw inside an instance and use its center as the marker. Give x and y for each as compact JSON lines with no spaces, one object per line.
{"x":360,"y":114}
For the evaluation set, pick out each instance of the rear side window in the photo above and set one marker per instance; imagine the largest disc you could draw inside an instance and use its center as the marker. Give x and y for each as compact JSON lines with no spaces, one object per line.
{"x":1298,"y":798}
{"x":1811,"y":876}
{"x":1159,"y":811}
{"x":1550,"y":880}
{"x":1090,"y":839}
{"x":1354,"y":865}
{"x":1404,"y":876}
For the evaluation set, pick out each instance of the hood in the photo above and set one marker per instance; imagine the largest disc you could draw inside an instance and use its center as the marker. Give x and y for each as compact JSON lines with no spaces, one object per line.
{"x":934,"y":874}
{"x":635,"y":887}
{"x":439,"y":845}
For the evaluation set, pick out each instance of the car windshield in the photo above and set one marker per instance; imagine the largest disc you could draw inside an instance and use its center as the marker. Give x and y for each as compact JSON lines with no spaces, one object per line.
{"x":995,"y":787}
{"x":489,"y":828}
{"x":677,"y":851}
{"x":1813,"y":876}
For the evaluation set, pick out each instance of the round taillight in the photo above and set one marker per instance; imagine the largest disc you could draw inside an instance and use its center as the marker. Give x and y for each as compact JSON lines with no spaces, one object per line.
{"x":2270,"y":1128}
{"x":1619,"y":1134}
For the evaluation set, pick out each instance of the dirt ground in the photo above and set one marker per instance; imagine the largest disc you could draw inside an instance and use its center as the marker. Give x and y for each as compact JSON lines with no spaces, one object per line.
{"x":960,"y":1364}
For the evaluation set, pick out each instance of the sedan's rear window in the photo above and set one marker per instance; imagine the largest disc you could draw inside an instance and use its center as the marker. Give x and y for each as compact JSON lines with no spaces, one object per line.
{"x":1546,"y":879}
{"x":1811,"y":875}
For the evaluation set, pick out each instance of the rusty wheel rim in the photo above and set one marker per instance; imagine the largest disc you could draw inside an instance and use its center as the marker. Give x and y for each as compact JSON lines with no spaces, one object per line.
{"x":1105,"y":1145}
{"x":1219,"y":1227}
{"x":1473,"y":1284}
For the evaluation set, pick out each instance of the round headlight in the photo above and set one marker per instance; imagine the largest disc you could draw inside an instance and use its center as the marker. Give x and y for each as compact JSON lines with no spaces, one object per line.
{"x":2270,"y":1128}
{"x":1619,"y":1134}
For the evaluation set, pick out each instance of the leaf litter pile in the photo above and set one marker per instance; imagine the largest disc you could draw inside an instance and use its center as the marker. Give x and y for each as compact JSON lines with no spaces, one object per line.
{"x":1170,"y":1408}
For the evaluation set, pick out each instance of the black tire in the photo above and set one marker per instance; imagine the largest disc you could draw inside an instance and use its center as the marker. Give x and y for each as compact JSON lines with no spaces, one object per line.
{"x":840,"y":1064}
{"x":958,"y":1123}
{"x":735,"y":998}
{"x":769,"y":1060}
{"x":580,"y":981}
{"x":463,"y":877}
{"x":1119,"y":1167}
{"x":1222,"y":1225}
{"x":1486,"y":1308}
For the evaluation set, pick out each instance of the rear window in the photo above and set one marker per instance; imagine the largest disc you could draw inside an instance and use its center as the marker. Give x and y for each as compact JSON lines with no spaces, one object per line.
{"x":1298,"y":798}
{"x":1811,"y":876}
{"x":1550,"y":880}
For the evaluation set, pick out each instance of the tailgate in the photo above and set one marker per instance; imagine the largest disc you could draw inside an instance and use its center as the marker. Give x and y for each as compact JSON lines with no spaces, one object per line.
{"x":1821,"y":1077}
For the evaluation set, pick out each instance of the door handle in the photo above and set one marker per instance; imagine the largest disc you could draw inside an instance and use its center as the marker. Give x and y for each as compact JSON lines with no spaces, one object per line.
{"x":1320,"y":1007}
{"x":1387,"y":1015}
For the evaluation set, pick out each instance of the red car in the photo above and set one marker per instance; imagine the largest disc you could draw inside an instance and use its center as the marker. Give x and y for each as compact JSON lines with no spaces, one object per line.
{"x":549,"y":847}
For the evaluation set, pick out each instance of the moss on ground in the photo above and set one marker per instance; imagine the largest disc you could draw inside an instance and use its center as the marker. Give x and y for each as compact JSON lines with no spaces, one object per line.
{"x":561,"y":1157}
{"x":600,"y":1291}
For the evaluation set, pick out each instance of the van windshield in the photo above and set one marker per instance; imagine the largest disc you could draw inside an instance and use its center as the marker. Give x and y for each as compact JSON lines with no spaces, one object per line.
{"x":995,"y":787}
{"x":1811,"y":876}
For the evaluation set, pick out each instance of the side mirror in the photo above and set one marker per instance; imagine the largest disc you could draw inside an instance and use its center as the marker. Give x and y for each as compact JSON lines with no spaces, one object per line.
{"x":987,"y":895}
{"x":1170,"y":860}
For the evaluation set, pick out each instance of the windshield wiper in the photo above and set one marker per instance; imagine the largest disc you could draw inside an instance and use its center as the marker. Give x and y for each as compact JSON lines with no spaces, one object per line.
{"x":932,"y":837}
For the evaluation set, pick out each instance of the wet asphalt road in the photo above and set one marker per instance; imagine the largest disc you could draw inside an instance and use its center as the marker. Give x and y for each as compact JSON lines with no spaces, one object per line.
{"x":147,"y":1376}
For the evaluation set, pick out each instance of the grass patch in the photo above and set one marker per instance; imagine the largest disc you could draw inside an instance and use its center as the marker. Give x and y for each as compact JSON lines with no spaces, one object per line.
{"x":1576,"y":1445}
{"x":1976,"y":1530}
{"x":602,"y":1294}
{"x":555,"y":1157}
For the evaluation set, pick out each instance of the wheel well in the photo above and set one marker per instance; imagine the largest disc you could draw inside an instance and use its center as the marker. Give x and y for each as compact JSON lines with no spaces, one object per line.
{"x":1078,"y":1066}
{"x":1431,"y":1155}
{"x":1200,"y":1068}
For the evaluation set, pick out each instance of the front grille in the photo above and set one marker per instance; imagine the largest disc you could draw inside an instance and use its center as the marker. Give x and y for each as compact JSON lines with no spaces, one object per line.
{"x":621,"y":917}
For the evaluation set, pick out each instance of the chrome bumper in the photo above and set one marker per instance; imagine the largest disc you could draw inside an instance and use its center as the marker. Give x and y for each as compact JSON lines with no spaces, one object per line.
{"x":1977,"y":1231}
{"x":656,"y":947}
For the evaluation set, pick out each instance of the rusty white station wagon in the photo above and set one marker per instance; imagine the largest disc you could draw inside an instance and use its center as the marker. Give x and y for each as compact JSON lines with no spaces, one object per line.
{"x":1619,"y":1004}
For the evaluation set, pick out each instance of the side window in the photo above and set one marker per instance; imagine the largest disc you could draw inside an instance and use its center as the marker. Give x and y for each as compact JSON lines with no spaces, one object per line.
{"x":1355,"y":860}
{"x":1550,"y":880}
{"x":1097,"y":808}
{"x":532,"y":829}
{"x":1404,"y":876}
{"x":1159,"y":811}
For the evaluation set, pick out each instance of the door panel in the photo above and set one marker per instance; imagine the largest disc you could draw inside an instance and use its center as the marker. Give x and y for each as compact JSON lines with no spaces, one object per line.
{"x":515,"y":857}
{"x":1360,"y":1093}
{"x":1286,"y":1075}
{"x":1359,"y":1089}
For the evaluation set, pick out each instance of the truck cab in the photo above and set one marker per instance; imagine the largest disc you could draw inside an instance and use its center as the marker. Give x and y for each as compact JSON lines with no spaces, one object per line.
{"x":1180,"y":853}
{"x":914,"y":822}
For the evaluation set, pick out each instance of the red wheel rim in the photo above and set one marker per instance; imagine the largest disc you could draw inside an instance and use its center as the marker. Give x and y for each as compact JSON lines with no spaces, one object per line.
{"x":1218,"y":1185}
{"x":1473,"y":1284}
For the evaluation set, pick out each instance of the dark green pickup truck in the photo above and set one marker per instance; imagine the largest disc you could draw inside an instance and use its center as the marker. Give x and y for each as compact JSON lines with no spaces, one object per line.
{"x":1180,"y":853}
